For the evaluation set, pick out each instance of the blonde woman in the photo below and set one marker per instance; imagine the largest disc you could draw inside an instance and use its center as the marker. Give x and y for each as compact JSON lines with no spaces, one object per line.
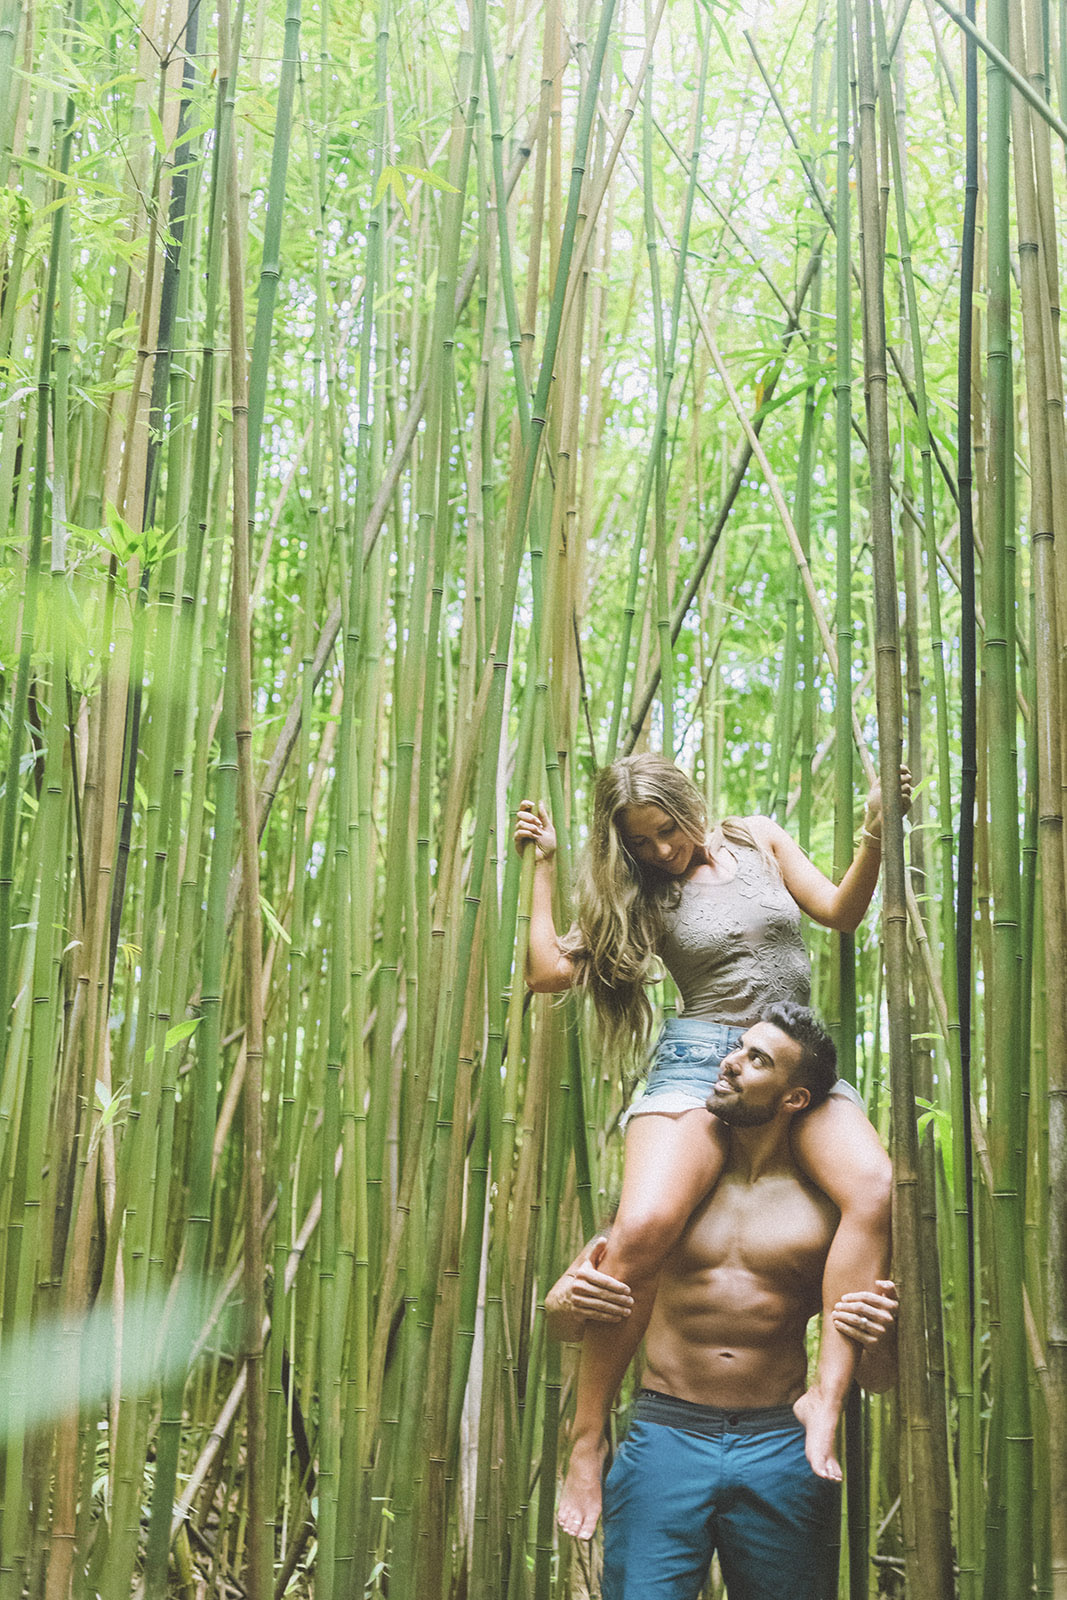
{"x":721,"y":911}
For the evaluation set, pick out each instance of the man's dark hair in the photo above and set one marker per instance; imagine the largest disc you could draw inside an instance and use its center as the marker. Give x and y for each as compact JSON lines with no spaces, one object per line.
{"x":817,"y":1068}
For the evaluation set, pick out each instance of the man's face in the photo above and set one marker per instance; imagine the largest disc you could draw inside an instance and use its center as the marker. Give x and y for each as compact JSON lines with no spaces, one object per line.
{"x":756,"y":1078}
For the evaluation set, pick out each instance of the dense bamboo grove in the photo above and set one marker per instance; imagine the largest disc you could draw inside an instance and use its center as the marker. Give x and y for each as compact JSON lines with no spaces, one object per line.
{"x":405,"y":409}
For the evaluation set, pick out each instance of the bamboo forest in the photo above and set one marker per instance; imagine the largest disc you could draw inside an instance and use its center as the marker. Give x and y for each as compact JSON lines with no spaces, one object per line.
{"x":408,"y":407}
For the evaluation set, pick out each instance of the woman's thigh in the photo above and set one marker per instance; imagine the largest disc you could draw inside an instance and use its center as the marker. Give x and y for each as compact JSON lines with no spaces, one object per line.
{"x":671,"y":1163}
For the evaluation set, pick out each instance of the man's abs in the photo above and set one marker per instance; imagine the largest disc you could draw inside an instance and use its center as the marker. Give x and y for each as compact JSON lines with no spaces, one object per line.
{"x":736,"y":1293}
{"x":720,"y":1369}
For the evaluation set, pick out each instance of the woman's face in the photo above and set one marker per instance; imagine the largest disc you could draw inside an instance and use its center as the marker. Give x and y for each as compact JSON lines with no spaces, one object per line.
{"x":655,"y":838}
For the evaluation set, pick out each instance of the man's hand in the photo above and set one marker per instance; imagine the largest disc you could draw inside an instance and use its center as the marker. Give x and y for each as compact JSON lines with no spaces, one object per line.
{"x":866,"y":1316}
{"x":869,"y":1320}
{"x":592,"y":1294}
{"x":584,"y":1294}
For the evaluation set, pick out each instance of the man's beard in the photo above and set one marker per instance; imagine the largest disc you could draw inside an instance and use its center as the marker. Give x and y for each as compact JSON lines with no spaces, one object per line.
{"x":737,"y":1114}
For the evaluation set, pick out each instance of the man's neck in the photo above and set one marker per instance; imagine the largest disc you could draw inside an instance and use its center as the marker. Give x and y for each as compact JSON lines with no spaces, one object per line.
{"x":758,"y":1152}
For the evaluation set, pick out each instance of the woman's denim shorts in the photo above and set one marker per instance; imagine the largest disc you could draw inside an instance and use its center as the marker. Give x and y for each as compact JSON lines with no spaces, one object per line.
{"x":684,"y":1064}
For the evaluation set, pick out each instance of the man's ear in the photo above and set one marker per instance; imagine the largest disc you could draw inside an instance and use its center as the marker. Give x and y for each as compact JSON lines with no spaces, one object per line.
{"x":798,"y":1099}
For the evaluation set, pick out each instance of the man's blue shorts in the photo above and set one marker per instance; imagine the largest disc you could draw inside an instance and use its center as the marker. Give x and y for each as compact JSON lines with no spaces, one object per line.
{"x":691,"y":1480}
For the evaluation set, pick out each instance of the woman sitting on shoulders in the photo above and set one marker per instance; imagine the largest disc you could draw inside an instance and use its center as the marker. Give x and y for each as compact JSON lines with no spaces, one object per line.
{"x":721,"y":911}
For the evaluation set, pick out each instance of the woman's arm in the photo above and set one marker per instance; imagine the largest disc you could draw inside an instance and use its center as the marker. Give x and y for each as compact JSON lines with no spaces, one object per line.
{"x":549,"y":970}
{"x":584,"y":1295}
{"x":839,"y":906}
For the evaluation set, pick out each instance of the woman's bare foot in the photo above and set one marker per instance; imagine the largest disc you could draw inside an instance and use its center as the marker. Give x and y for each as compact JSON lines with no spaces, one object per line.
{"x":820,"y":1426}
{"x":579,"y":1504}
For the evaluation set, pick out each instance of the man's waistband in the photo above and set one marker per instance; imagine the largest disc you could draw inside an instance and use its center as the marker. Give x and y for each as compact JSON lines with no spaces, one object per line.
{"x":711,"y":1421}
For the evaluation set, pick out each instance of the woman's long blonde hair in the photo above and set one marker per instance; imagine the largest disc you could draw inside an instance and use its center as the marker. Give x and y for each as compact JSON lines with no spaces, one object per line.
{"x":621,"y":902}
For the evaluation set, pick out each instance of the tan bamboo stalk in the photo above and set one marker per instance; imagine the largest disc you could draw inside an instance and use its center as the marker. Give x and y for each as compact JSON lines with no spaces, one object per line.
{"x":914,"y":369}
{"x":928,"y":1550}
{"x":1044,"y":416}
{"x":1052,"y":319}
{"x":923,"y":1051}
{"x":606,"y":171}
{"x":260,"y":1551}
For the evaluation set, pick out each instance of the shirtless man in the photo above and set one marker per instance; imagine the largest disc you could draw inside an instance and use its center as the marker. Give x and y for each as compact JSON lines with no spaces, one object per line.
{"x":714,"y":1459}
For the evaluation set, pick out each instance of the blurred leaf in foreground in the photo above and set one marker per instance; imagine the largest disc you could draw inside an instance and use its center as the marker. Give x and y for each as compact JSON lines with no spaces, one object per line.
{"x":51,"y":1369}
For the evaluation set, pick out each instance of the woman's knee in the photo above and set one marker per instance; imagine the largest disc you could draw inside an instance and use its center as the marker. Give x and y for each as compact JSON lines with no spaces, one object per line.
{"x":871,"y":1195}
{"x":641,"y":1238}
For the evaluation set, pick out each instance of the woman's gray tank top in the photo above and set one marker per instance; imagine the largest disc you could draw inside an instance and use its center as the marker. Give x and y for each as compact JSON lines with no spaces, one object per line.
{"x":734,"y":946}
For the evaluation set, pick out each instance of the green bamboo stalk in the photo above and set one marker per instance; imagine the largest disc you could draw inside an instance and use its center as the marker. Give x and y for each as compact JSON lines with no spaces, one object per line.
{"x":347,"y":1200}
{"x":64,"y":1507}
{"x":12,"y":787}
{"x":923,"y":1051}
{"x":270,"y":270}
{"x":655,"y":468}
{"x":844,"y":991}
{"x":994,"y":47}
{"x":420,"y":654}
{"x":127,"y":1444}
{"x":168,"y":731}
{"x":362,"y":1158}
{"x":1051,"y":322}
{"x":10,"y":88}
{"x":653,"y":479}
{"x":434,"y":530}
{"x":21,"y":1265}
{"x":841,"y":1011}
{"x":527,"y":1098}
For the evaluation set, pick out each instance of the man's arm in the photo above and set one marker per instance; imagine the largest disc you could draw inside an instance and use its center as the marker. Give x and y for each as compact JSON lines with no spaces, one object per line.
{"x":841,"y":1153}
{"x":584,"y":1294}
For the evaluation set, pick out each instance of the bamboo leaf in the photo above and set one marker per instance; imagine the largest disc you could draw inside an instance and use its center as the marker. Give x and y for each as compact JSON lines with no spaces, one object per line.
{"x":391,"y":179}
{"x":271,"y":919}
{"x":431,"y":178}
{"x":159,"y":138}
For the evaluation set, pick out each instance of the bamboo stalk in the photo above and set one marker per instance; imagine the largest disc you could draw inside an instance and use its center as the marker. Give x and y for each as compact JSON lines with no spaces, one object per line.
{"x":929,"y":1556}
{"x":260,"y":1549}
{"x":995,"y":53}
{"x":1040,"y":349}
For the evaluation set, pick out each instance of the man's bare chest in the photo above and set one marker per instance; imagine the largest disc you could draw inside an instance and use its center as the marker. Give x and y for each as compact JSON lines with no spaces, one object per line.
{"x":778,"y":1225}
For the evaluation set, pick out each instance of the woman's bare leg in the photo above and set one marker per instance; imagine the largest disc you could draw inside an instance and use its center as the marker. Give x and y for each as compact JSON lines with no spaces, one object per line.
{"x":841,"y":1153}
{"x":671,"y":1163}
